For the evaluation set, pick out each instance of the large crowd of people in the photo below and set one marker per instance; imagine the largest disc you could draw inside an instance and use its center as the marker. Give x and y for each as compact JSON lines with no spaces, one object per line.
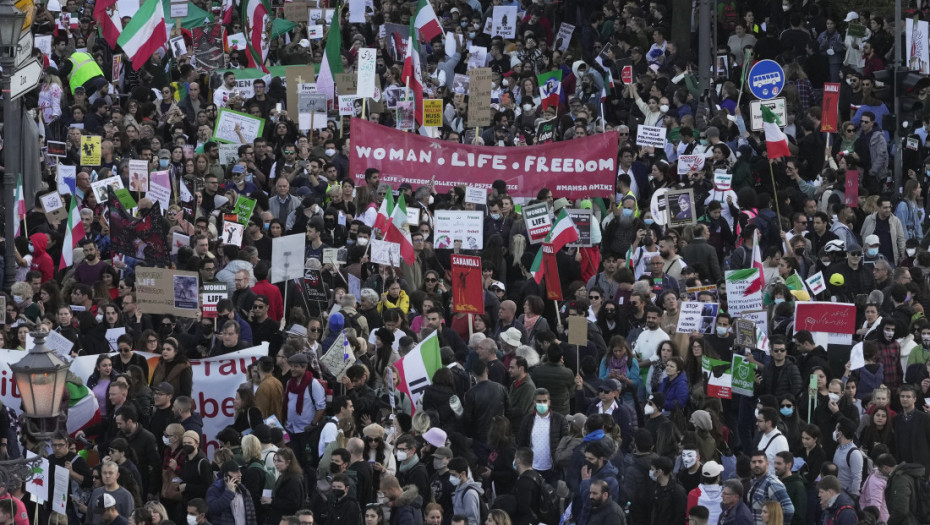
{"x":518,"y":425}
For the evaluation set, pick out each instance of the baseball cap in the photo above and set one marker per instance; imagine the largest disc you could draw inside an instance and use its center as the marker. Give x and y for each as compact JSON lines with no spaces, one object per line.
{"x":443,"y":452}
{"x":238,"y":168}
{"x":304,"y":43}
{"x":229,"y":466}
{"x":104,"y":502}
{"x":164,"y":154}
{"x":165,"y":388}
{"x":711,"y":469}
{"x":871,"y":240}
{"x":609,"y":385}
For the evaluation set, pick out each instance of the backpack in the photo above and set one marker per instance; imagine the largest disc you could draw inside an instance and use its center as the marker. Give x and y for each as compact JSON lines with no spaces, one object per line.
{"x":768,"y":229}
{"x":313,"y":440}
{"x":922,"y":492}
{"x":483,"y":508}
{"x":270,"y":470}
{"x":867,"y":463}
{"x":269,"y":476}
{"x":548,"y":511}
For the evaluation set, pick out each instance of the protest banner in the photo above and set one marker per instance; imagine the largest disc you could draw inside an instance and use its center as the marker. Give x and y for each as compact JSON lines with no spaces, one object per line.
{"x":234,"y":127}
{"x":90,"y":150}
{"x":688,"y":163}
{"x":208,"y":47}
{"x":744,"y":290}
{"x":745,"y":332}
{"x":54,"y":207}
{"x":432,"y":112}
{"x":650,"y":136}
{"x":697,"y":317}
{"x":743,"y":375}
{"x":366,"y":72}
{"x":166,"y":291}
{"x":550,"y":270}
{"x":717,"y":377}
{"x":579,"y":168}
{"x":538,"y":221}
{"x":210,"y":296}
{"x":467,"y":291}
{"x":831,"y":105}
{"x":479,"y":106}
{"x":582,"y":220}
{"x":287,"y":257}
{"x":836,"y":319}
{"x":314,"y":288}
{"x":466,"y":227}
{"x":564,"y":37}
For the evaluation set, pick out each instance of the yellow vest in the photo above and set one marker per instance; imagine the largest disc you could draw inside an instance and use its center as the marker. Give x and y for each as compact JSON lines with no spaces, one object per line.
{"x":83,"y":68}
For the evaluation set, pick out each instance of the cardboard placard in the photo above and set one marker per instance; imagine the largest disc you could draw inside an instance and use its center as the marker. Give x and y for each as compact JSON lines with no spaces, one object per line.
{"x":54,"y":207}
{"x":167,"y":291}
{"x":296,"y":11}
{"x":479,"y":100}
{"x":346,"y":83}
{"x":577,"y":330}
{"x":296,"y":75}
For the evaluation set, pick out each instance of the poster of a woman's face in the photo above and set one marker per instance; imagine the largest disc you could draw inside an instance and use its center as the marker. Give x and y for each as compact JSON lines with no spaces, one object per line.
{"x":680,"y":207}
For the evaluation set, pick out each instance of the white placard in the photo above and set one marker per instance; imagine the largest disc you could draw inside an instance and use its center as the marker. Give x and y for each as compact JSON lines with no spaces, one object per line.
{"x":475,"y":195}
{"x":232,"y":233}
{"x":723,"y":181}
{"x":178,"y":47}
{"x":815,"y":283}
{"x":856,"y":357}
{"x":112,"y":335}
{"x":100,"y":187}
{"x":347,"y":105}
{"x":315,"y":32}
{"x":366,"y":72}
{"x":139,"y":175}
{"x":698,"y":317}
{"x":465,"y":226}
{"x":564,"y":37}
{"x":38,"y":485}
{"x":451,"y":43}
{"x":287,"y":257}
{"x":60,"y":495}
{"x":178,"y":240}
{"x":918,"y":55}
{"x":688,"y":163}
{"x":413,"y":217}
{"x":236,"y":41}
{"x":504,"y":21}
{"x":52,"y":202}
{"x":384,"y":252}
{"x":778,"y":107}
{"x":66,"y":172}
{"x":650,"y":136}
{"x":44,"y":43}
{"x":356,"y":11}
{"x":477,"y":57}
{"x":249,"y":126}
{"x":60,"y":344}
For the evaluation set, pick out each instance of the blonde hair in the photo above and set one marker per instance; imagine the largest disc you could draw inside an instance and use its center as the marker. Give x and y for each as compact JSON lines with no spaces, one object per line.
{"x":776,"y":517}
{"x":251,"y":448}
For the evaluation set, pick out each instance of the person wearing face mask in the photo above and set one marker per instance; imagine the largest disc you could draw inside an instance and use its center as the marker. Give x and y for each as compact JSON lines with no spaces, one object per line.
{"x":551,"y":426}
{"x":597,"y":466}
{"x":837,"y":408}
{"x":440,"y":487}
{"x":410,"y":470}
{"x":689,"y":466}
{"x":669,"y":498}
{"x":889,"y":353}
{"x":653,"y":412}
{"x":343,"y":508}
{"x":197,"y":512}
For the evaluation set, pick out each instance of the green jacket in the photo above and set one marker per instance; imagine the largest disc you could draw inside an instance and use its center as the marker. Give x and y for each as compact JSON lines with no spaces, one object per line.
{"x":901,"y":494}
{"x":521,"y":401}
{"x":794,"y":486}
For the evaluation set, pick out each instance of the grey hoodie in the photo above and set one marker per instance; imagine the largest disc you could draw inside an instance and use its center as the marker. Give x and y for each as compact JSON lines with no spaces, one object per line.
{"x":466,"y":501}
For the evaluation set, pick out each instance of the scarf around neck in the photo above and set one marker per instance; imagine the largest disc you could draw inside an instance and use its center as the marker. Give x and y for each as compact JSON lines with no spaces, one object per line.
{"x":300,"y":388}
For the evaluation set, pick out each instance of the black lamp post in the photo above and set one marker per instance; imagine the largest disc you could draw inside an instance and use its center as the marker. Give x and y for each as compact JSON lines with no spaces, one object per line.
{"x":11,"y":27}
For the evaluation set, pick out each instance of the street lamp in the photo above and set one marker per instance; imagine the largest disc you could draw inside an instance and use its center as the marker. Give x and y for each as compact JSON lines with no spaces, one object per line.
{"x":11,"y":27}
{"x":40,"y":377}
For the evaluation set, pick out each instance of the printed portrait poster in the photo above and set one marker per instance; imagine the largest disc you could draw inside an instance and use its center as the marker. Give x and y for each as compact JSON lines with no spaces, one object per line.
{"x":564,"y":38}
{"x":185,"y":292}
{"x":232,"y":230}
{"x":680,"y":206}
{"x":167,"y":291}
{"x":504,"y":21}
{"x":467,"y":291}
{"x":139,"y":176}
{"x":697,"y":317}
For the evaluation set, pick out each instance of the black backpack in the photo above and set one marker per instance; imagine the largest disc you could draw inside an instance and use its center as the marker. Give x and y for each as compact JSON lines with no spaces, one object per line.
{"x":313,"y":440}
{"x":867,"y":463}
{"x":549,"y":509}
{"x":922,"y":492}
{"x":483,"y":508}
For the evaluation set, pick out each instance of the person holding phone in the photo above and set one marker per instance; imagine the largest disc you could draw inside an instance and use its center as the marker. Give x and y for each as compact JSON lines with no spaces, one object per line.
{"x":228,"y":501}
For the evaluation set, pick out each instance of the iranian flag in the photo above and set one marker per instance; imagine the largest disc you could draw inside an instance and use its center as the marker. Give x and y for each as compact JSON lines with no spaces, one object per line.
{"x":411,"y":75}
{"x":332,"y":58}
{"x":145,"y":33}
{"x":73,"y":235}
{"x":384,"y":212}
{"x":255,"y":16}
{"x":415,"y":370}
{"x":775,"y":140}
{"x":562,"y":233}
{"x":20,"y":216}
{"x":550,"y":88}
{"x":797,"y":287}
{"x":426,"y":21}
{"x":398,"y":230}
{"x":106,"y":14}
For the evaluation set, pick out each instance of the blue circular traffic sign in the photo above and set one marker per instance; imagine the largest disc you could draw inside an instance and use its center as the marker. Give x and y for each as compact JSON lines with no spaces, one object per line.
{"x":766,"y":79}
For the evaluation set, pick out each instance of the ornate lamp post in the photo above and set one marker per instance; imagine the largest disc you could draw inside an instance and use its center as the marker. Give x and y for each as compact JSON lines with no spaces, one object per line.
{"x":11,"y":26}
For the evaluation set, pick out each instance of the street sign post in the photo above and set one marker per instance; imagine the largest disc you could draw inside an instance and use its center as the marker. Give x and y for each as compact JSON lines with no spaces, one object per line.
{"x":24,"y":47}
{"x":25,"y":78}
{"x":766,"y":79}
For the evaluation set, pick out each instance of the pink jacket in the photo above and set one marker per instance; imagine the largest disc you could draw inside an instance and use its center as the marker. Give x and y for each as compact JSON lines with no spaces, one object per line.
{"x":873,"y":493}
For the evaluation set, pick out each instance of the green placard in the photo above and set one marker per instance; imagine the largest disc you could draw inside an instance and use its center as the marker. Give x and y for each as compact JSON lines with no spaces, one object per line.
{"x":244,"y":208}
{"x":125,"y":198}
{"x":744,"y":375}
{"x":856,"y":30}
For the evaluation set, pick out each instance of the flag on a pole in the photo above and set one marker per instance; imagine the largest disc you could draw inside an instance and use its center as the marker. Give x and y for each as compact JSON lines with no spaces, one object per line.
{"x":562,"y":233}
{"x":550,"y":88}
{"x":74,"y":234}
{"x":426,"y":21}
{"x":775,"y":140}
{"x":384,"y":212}
{"x":20,"y":215}
{"x":332,"y":58}
{"x":411,"y":74}
{"x":399,"y":231}
{"x":106,"y":14}
{"x":145,"y":33}
{"x":415,"y":370}
{"x":255,"y":19}
{"x":757,"y":256}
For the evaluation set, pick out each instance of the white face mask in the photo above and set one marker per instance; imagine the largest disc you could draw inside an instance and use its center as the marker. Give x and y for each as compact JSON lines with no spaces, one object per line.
{"x":401,"y":455}
{"x":527,"y":108}
{"x":663,"y":108}
{"x":649,"y":410}
{"x":688,"y":458}
{"x":911,"y":251}
{"x":99,"y":317}
{"x":653,"y":476}
{"x":166,"y":440}
{"x":363,"y":241}
{"x":191,"y":520}
{"x":834,"y":397}
{"x":329,"y":152}
{"x":757,"y":413}
{"x":836,"y":435}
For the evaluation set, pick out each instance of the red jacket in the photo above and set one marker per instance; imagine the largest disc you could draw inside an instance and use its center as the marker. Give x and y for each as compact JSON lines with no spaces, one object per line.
{"x":275,"y":301}
{"x":41,"y":260}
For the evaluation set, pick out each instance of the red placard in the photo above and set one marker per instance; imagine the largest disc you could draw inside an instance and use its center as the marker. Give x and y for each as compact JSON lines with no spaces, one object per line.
{"x":834,"y":318}
{"x":626,"y":75}
{"x":852,"y":189}
{"x":467,"y":292}
{"x":551,"y":271}
{"x":580,"y":168}
{"x":831,"y":105}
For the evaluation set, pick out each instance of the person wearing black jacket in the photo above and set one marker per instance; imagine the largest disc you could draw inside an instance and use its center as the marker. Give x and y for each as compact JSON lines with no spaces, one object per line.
{"x":142,"y":443}
{"x":912,"y":429}
{"x":810,"y":355}
{"x":558,"y":428}
{"x":669,"y":500}
{"x":410,"y":469}
{"x":79,"y":471}
{"x":344,"y":509}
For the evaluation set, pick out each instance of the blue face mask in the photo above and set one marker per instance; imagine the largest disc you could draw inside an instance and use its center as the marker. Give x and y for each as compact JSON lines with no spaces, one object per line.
{"x":779,"y":300}
{"x":542,"y":408}
{"x":495,"y":216}
{"x":787,"y":411}
{"x":871,"y":252}
{"x":627,"y":212}
{"x":163,"y":163}
{"x":649,"y":222}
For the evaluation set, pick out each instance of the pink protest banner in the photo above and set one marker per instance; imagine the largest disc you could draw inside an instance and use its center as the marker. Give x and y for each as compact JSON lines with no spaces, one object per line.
{"x":835,"y":318}
{"x":584,"y":167}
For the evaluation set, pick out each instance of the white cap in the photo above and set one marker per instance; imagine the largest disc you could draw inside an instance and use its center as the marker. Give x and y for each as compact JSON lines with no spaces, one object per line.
{"x":711,"y":469}
{"x":850,"y":16}
{"x":871,"y":240}
{"x":304,"y":43}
